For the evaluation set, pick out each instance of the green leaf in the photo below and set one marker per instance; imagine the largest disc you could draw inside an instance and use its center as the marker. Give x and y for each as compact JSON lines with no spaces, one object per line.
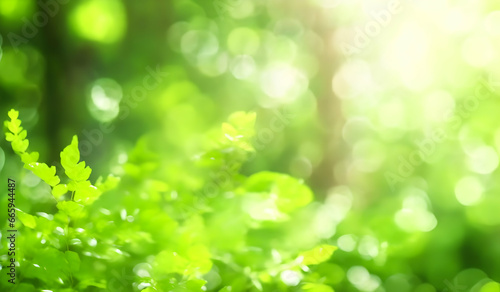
{"x":23,"y":134}
{"x":9,"y":137}
{"x":51,"y":265}
{"x":14,"y":127}
{"x":43,"y":171}
{"x":490,"y":287}
{"x":13,"y":114}
{"x":291,"y":193}
{"x":79,"y":172}
{"x":35,"y":156}
{"x":70,"y":155}
{"x":92,"y":283}
{"x":110,"y":183}
{"x":310,"y":287}
{"x":239,"y":129}
{"x":69,"y":160}
{"x":28,"y":158}
{"x":73,"y":261}
{"x":229,"y":131}
{"x":70,"y":208}
{"x":195,"y":284}
{"x":317,"y":255}
{"x":20,"y":145}
{"x":170,"y":262}
{"x":59,"y":190}
{"x":25,"y":287}
{"x":244,"y":122}
{"x":85,"y":192}
{"x":199,"y":258}
{"x":26,"y":219}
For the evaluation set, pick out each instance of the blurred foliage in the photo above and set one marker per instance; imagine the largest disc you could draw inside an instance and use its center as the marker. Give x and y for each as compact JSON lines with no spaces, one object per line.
{"x":248,"y":145}
{"x":164,"y":238}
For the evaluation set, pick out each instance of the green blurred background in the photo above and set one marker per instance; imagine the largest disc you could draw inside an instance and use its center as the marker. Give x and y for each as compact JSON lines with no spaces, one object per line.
{"x":388,"y":110}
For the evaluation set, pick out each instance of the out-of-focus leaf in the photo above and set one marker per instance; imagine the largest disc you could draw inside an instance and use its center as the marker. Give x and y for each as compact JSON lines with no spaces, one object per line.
{"x":73,"y":260}
{"x":290,"y":193}
{"x":27,"y":219}
{"x":310,"y":287}
{"x":318,"y":254}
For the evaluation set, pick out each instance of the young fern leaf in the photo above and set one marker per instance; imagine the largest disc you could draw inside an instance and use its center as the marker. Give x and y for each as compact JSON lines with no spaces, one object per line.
{"x":16,"y":135}
{"x":78,"y":173}
{"x":43,"y":171}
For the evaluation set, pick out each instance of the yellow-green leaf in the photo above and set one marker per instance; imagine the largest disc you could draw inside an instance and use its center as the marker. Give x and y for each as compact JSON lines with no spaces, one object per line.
{"x":43,"y":171}
{"x":85,"y":192}
{"x":9,"y":137}
{"x":26,"y":219}
{"x":59,"y":190}
{"x":70,"y":154}
{"x":171,"y":262}
{"x":291,"y":193}
{"x":71,"y":208}
{"x":311,"y":287}
{"x":318,"y":254}
{"x":13,"y":114}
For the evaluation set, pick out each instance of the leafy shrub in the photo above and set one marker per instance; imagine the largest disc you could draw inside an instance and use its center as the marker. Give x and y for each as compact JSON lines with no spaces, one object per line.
{"x":214,"y":230}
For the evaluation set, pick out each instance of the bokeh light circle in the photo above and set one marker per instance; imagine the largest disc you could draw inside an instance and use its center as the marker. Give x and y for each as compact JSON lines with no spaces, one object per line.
{"x":104,"y":98}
